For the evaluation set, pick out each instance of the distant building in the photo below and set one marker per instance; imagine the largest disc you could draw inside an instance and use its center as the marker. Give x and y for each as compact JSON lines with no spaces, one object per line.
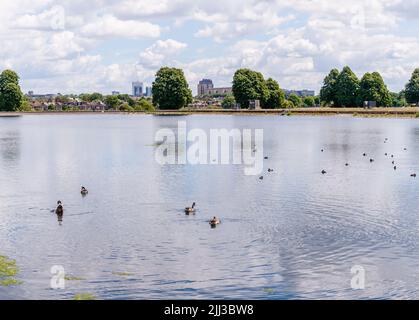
{"x":203,"y":86}
{"x":301,"y":93}
{"x":137,"y":89}
{"x":148,"y":91}
{"x":219,"y":91}
{"x":206,"y":88}
{"x":115,"y":93}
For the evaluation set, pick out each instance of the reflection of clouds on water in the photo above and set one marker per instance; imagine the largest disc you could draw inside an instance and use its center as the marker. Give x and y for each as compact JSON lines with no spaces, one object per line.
{"x":10,"y":146}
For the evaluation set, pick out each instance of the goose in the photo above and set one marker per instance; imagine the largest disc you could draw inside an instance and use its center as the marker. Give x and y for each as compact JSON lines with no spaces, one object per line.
{"x":189,"y":210}
{"x":214,"y":222}
{"x":60,"y":210}
{"x":84,"y":191}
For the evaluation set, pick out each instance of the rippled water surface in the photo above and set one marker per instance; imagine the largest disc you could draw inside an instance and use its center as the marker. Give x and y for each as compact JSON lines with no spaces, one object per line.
{"x":296,"y":234}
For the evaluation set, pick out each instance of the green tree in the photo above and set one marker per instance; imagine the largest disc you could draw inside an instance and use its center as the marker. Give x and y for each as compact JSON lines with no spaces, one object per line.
{"x":275,"y":97}
{"x":229,"y":102}
{"x":112,"y":102}
{"x":309,"y":101}
{"x":412,"y":88}
{"x":170,"y":89}
{"x":144,"y":105}
{"x":127,"y":99}
{"x":373,"y":88}
{"x":295,"y":100}
{"x":11,"y":97}
{"x":398,"y":99}
{"x":249,"y":85}
{"x":347,"y":89}
{"x":329,"y":89}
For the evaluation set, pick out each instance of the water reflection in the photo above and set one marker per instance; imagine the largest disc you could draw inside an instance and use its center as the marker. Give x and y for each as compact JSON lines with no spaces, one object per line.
{"x":296,"y":234}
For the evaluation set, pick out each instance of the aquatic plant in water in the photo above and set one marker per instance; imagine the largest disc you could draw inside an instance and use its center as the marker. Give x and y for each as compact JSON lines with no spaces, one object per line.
{"x":8,"y":270}
{"x":84,"y":296}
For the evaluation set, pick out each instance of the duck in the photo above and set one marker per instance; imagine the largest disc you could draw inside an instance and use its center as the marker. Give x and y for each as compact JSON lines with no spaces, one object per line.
{"x":84,"y":191}
{"x":261,"y":178}
{"x":371,"y":160}
{"x":347,"y":164}
{"x":386,"y":154}
{"x":189,"y":210}
{"x":324,"y":172}
{"x":60,"y":210}
{"x":266,"y":158}
{"x":270,"y":170}
{"x":413,"y":175}
{"x":395,"y":168}
{"x":322,"y":150}
{"x":364,"y":154}
{"x":214,"y":222}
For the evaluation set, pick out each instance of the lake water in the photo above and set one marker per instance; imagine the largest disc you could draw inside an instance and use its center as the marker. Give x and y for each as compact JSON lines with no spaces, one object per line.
{"x":296,"y":234}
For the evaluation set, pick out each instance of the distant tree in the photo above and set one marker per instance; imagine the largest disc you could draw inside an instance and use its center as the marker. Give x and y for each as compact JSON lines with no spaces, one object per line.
{"x":398,"y":99}
{"x":127,"y":99}
{"x":296,"y":100}
{"x":249,"y":85}
{"x":276,"y":96}
{"x":287,"y":104}
{"x":309,"y":101}
{"x":229,"y":102}
{"x":347,"y":89}
{"x":112,"y":102}
{"x":412,"y":88}
{"x":329,"y":89}
{"x":11,"y":96}
{"x":373,"y":88}
{"x":170,"y":89}
{"x":96,"y":96}
{"x":144,"y":105}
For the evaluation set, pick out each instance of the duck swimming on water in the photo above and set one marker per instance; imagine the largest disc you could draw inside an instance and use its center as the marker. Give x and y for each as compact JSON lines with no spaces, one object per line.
{"x":60,"y":210}
{"x":189,"y":210}
{"x":84,"y":191}
{"x":214,"y":222}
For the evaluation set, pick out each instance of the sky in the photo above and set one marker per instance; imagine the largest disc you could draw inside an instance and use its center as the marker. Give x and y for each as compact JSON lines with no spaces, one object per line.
{"x":78,"y":46}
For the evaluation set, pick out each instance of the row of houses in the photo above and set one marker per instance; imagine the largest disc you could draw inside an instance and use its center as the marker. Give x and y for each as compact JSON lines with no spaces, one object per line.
{"x":51,"y":105}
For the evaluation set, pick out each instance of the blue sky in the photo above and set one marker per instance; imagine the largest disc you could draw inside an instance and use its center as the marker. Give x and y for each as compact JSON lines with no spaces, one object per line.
{"x":103,"y":45}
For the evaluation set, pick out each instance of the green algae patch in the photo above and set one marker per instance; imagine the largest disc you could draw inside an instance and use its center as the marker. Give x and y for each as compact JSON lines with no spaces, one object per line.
{"x":269,"y":290}
{"x":8,"y":269}
{"x":122,"y":274}
{"x":84,"y":297}
{"x":72,"y":278}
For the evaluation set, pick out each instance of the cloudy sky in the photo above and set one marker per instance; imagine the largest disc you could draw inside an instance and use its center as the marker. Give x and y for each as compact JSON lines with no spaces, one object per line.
{"x":79,"y":46}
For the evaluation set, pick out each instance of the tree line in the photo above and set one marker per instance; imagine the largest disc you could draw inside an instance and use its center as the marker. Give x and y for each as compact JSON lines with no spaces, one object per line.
{"x":171,"y":91}
{"x":344,"y":89}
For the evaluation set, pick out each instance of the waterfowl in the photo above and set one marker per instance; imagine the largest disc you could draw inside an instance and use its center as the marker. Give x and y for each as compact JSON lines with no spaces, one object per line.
{"x":324,"y":172}
{"x":270,"y":170}
{"x":261,"y":178}
{"x":405,"y":149}
{"x":386,"y":154}
{"x":60,"y":210}
{"x":392,"y":162}
{"x":322,"y":150}
{"x":214,"y":222}
{"x":371,"y":160}
{"x":395,"y":168}
{"x":392,"y":155}
{"x":347,"y":164}
{"x":266,"y":158}
{"x":84,"y":191}
{"x":189,"y":210}
{"x":413,"y":175}
{"x":364,"y":154}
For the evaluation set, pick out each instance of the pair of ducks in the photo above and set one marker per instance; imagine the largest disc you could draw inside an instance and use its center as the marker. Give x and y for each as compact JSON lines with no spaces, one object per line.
{"x":60,"y":209}
{"x":191,"y":210}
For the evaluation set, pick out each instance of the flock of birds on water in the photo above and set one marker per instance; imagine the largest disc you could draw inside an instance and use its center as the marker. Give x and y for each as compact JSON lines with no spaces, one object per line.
{"x":59,"y":211}
{"x":214,"y":222}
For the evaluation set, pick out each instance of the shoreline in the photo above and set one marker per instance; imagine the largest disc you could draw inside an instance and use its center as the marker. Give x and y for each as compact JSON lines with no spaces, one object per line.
{"x":409,"y":112}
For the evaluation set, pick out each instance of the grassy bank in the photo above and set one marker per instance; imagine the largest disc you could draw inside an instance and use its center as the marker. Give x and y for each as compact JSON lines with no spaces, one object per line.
{"x":412,"y":112}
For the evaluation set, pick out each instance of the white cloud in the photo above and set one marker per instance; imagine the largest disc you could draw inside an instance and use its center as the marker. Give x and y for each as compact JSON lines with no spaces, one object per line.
{"x":110,"y":26}
{"x":157,"y":54}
